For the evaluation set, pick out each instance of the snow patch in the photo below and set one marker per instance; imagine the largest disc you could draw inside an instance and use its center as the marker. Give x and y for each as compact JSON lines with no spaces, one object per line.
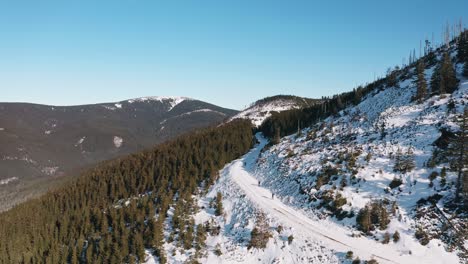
{"x":8,"y":180}
{"x":118,"y":141}
{"x":80,"y":141}
{"x":172,"y":100}
{"x":49,"y":170}
{"x":259,"y":113}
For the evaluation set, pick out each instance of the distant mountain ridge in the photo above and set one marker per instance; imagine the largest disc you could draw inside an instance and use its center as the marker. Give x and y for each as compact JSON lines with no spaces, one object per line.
{"x":41,"y":143}
{"x":263,"y":108}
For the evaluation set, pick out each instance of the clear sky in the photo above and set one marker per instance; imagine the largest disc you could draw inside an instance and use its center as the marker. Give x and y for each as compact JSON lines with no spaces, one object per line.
{"x":229,"y":53}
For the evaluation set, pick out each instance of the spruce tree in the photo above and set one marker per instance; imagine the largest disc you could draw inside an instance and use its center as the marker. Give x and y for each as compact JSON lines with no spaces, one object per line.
{"x":462,"y":54}
{"x":444,"y":78}
{"x":200,"y":237}
{"x":260,"y":233}
{"x":219,"y":204}
{"x":363,"y":219}
{"x":458,"y":154}
{"x":465,"y":69}
{"x":421,"y":91}
{"x":139,"y":249}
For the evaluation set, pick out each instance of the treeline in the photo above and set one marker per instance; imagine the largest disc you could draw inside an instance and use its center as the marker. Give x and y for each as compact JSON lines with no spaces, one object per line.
{"x":107,"y":214}
{"x":443,"y":80}
{"x":287,"y":122}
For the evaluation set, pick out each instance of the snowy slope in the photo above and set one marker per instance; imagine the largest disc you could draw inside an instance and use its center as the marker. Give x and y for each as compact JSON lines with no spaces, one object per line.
{"x":371,"y":134}
{"x":172,"y":101}
{"x":292,"y":168}
{"x":263,"y":109}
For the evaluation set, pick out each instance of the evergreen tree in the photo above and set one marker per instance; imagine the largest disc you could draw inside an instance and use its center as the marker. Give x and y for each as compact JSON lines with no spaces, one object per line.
{"x":363,"y":220}
{"x":458,"y":154}
{"x":392,"y":79}
{"x":465,"y":70}
{"x":444,"y":78}
{"x":462,"y":54}
{"x":138,"y":247}
{"x":200,"y":237}
{"x":404,"y":162}
{"x":219,"y":204}
{"x":421,"y":91}
{"x":260,"y":233}
{"x":158,"y":237}
{"x":73,"y":256}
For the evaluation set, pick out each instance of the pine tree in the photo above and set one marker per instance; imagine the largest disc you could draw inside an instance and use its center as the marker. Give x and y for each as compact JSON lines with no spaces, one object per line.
{"x":462,"y":54}
{"x":465,"y":70}
{"x":404,"y":162}
{"x":277,"y":136}
{"x":139,"y":248}
{"x":158,"y":237}
{"x":392,"y":77}
{"x":458,"y":154}
{"x":200,"y":237}
{"x":421,"y":91}
{"x":449,"y":75}
{"x":219,"y":204}
{"x":398,"y":161}
{"x":444,"y":78}
{"x":260,"y":233}
{"x":363,"y":220}
{"x":73,"y":256}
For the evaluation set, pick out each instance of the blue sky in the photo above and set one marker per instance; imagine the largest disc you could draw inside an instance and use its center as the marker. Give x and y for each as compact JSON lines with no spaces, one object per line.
{"x":229,"y":53}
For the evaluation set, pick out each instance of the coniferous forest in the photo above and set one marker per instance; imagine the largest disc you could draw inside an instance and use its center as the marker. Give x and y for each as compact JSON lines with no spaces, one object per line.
{"x":113,"y":212}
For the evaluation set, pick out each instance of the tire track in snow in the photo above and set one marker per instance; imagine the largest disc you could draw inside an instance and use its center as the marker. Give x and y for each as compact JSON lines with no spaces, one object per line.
{"x":300,"y":222}
{"x":336,"y":239}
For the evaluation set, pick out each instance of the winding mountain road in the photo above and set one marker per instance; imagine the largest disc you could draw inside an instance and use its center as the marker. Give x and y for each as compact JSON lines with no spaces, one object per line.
{"x":331,"y":235}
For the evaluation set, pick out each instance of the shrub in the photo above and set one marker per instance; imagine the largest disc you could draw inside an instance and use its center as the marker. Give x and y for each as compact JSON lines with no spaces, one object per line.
{"x":217,"y":250}
{"x":386,"y":238}
{"x":349,"y":255}
{"x":219,"y":204}
{"x":396,"y":182}
{"x":433,"y":175}
{"x":260,"y":234}
{"x":356,"y":261}
{"x":372,"y":215}
{"x":279,"y":229}
{"x":290,"y":239}
{"x":396,"y":236}
{"x":422,"y":236}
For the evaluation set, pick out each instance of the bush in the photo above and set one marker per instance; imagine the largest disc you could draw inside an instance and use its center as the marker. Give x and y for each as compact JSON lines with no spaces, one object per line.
{"x":349,"y":255}
{"x":396,"y":236}
{"x":217,"y":250}
{"x":356,"y":261}
{"x":396,"y":182}
{"x":386,"y":238}
{"x":260,"y":234}
{"x":433,"y":175}
{"x":290,"y":239}
{"x":372,"y":261}
{"x":219,"y":204}
{"x":422,"y":236}
{"x":279,"y":229}
{"x":373,"y":215}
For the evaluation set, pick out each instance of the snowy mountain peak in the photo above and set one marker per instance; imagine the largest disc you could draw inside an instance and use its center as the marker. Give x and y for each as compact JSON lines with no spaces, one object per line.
{"x":172,"y":100}
{"x":262,"y":109}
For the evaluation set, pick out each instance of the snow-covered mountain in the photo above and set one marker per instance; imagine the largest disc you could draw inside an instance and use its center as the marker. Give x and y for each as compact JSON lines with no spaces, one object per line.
{"x":331,"y":174}
{"x":41,"y":142}
{"x":262,"y":109}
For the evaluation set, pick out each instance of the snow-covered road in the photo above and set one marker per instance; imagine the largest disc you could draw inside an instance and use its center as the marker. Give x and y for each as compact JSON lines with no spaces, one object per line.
{"x":330,"y":234}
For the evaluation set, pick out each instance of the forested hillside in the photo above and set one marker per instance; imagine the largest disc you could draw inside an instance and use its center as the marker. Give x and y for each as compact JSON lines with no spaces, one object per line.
{"x":107,"y":215}
{"x":44,"y":144}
